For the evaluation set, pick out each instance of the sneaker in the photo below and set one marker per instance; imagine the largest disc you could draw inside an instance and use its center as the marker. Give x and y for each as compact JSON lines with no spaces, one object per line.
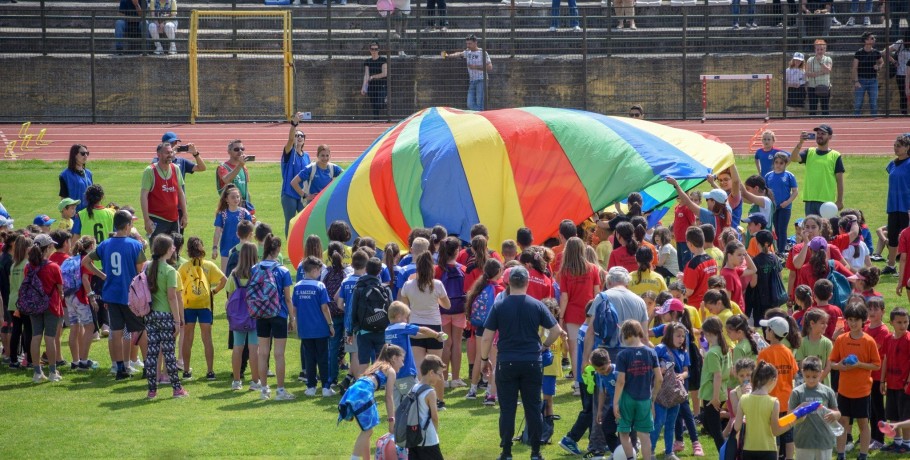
{"x":96,"y":336}
{"x":309,"y":392}
{"x":38,"y":378}
{"x":537,"y":457}
{"x":753,"y":25}
{"x":735,"y":26}
{"x":849,"y":445}
{"x":670,"y":457}
{"x":87,"y":365}
{"x":472,"y":394}
{"x":440,"y":405}
{"x":236,"y":385}
{"x":697,"y":450}
{"x":105,"y":331}
{"x":876,"y":257}
{"x":569,"y":445}
{"x":300,"y":377}
{"x":679,"y":446}
{"x":122,"y":375}
{"x":594,"y":454}
{"x":835,"y":22}
{"x":867,"y":22}
{"x":458,"y":383}
{"x":447,"y":384}
{"x":268,"y":373}
{"x":188,"y":375}
{"x":876,"y":445}
{"x":504,"y":457}
{"x":576,"y":29}
{"x":891,"y":447}
{"x":851,"y":22}
{"x":158,"y":49}
{"x":265,"y":393}
{"x":489,"y":400}
{"x":15,"y":365}
{"x":74,"y":366}
{"x":255,"y":385}
{"x":780,"y":25}
{"x":55,"y":377}
{"x":181,"y":393}
{"x":889,"y":270}
{"x":151,"y":394}
{"x":570,"y":375}
{"x":284,"y":395}
{"x":137,"y":365}
{"x":210,"y":375}
{"x":552,"y":29}
{"x":328,"y":393}
{"x":902,"y":449}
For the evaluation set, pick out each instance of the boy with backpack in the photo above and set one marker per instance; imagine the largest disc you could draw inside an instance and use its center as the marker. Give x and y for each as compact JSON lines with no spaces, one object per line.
{"x":343,"y":299}
{"x":314,"y":325}
{"x":417,"y":419}
{"x":399,"y":332}
{"x":370,"y":302}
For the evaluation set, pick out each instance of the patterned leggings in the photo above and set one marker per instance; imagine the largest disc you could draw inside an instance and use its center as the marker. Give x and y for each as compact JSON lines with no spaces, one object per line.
{"x":160,"y":329}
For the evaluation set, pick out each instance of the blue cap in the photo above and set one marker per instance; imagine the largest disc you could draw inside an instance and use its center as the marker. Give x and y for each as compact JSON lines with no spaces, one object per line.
{"x":169,"y":137}
{"x":43,"y":220}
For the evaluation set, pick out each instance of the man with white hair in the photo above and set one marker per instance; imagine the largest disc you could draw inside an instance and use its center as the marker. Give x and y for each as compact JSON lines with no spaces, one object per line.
{"x":627,"y":304}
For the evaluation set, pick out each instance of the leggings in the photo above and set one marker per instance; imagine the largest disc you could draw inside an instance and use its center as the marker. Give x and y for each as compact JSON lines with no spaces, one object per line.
{"x":710,"y":419}
{"x":160,"y":329}
{"x":781,"y":226}
{"x":21,"y":339}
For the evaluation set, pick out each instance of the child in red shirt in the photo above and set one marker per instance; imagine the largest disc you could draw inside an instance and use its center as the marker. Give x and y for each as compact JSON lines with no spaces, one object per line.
{"x":879,"y":332}
{"x":896,"y":382}
{"x":699,"y":268}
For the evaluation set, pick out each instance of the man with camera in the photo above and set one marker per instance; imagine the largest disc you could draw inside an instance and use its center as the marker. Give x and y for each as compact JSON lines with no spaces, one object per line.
{"x":233,"y":171}
{"x":824,"y":170}
{"x":186,"y":166}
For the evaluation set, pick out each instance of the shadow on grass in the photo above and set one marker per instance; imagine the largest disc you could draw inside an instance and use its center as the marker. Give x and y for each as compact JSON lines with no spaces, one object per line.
{"x":19,"y":386}
{"x":139,"y":401}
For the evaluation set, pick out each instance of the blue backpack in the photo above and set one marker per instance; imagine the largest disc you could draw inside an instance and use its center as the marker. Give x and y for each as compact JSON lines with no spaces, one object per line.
{"x":453,"y":280}
{"x":72,"y":274}
{"x":606,"y":322}
{"x":480,"y":307}
{"x":841,"y":284}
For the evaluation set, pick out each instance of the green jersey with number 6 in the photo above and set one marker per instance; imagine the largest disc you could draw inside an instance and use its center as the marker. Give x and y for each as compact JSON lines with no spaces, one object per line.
{"x":99,"y":225}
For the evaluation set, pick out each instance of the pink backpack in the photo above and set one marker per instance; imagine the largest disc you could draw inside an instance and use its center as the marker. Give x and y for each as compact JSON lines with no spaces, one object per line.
{"x":140,"y":297}
{"x":387,"y":450}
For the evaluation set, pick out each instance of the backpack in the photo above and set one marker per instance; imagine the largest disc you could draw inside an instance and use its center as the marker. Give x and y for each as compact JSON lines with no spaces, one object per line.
{"x":409,"y":432}
{"x":769,"y":291}
{"x":196,"y":289}
{"x":372,"y":301}
{"x":546,"y":432}
{"x":332,"y":280}
{"x":480,"y":307}
{"x":331,"y":167}
{"x":842,"y":287}
{"x":140,"y":296}
{"x":453,"y":280}
{"x":238,"y":313}
{"x":72,"y":274}
{"x":33,"y":299}
{"x":262,"y":293}
{"x":673,"y":391}
{"x":606,"y":322}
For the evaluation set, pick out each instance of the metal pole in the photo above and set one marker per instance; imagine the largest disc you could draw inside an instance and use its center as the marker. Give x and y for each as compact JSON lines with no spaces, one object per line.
{"x":685,"y":52}
{"x":584,"y":57}
{"x":784,"y":49}
{"x":707,"y":27}
{"x":610,"y":28}
{"x":887,"y":53}
{"x":512,"y":34}
{"x":328,"y":32}
{"x":92,"y":68}
{"x":388,"y":52}
{"x":234,"y":29}
{"x":483,"y":56}
{"x":43,"y":29}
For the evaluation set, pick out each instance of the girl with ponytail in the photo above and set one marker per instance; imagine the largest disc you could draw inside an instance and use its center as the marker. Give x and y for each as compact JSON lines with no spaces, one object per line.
{"x":164,"y":319}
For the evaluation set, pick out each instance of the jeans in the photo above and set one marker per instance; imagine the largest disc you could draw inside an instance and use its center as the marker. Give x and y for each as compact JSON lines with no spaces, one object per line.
{"x":815,"y":100}
{"x":291,"y":207}
{"x":377,"y":92}
{"x":317,"y":356}
{"x":854,"y":6}
{"x":750,"y":11}
{"x":573,"y":11}
{"x":335,"y":345}
{"x":870,"y":86}
{"x":475,"y":95}
{"x":437,"y":8}
{"x":586,"y":417}
{"x":664,"y":419}
{"x":781,"y":226}
{"x":514,"y":378}
{"x":685,"y":421}
{"x":131,"y":29}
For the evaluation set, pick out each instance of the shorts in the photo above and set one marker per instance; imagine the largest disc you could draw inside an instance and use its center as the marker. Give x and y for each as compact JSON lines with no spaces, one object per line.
{"x":897,"y":406}
{"x":120,"y":316}
{"x":478,"y":332}
{"x":897,"y":221}
{"x":44,"y":324}
{"x":245,"y":338}
{"x":275,"y":327}
{"x":460,"y":321}
{"x":369,"y":345}
{"x":549,"y":385}
{"x":796,"y":97}
{"x":814,"y":454}
{"x":403,"y":386}
{"x":854,"y":407}
{"x":430,"y":343}
{"x":634,"y":415}
{"x":162,"y":226}
{"x":78,"y":312}
{"x":787,"y":436}
{"x":197,"y":315}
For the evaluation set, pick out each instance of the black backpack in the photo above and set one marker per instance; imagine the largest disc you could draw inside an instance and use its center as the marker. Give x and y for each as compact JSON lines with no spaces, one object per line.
{"x":372,"y":301}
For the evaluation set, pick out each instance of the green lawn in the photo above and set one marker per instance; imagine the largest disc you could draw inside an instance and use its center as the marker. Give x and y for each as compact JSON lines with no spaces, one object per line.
{"x":88,"y":414}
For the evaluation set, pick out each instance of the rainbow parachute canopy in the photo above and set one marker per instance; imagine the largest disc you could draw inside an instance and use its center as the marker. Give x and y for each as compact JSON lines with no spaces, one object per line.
{"x":511,"y":168}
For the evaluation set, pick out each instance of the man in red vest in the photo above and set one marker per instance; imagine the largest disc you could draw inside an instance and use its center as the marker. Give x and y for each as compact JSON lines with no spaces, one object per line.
{"x":161,"y":196}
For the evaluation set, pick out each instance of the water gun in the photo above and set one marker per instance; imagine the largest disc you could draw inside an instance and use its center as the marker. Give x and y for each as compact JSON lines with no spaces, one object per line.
{"x":887,"y":429}
{"x":799,"y":413}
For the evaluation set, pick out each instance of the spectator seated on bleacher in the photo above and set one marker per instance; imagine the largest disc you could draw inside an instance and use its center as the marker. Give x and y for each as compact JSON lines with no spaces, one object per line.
{"x":164,"y":17}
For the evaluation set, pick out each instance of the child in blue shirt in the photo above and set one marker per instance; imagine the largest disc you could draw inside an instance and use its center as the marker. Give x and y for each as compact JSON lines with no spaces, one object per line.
{"x":638,"y":371}
{"x":399,"y":332}
{"x":343,"y":300}
{"x":603,"y":432}
{"x":314,"y":325}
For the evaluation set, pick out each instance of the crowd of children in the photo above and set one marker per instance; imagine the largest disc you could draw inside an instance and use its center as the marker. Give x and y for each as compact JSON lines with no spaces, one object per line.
{"x":399,"y":321}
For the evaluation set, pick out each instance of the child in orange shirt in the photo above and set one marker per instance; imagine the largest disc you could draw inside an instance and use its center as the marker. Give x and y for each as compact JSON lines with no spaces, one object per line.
{"x":855,"y":378}
{"x":776,"y":329}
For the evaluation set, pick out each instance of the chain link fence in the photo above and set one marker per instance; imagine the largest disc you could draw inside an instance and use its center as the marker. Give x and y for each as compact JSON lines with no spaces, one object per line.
{"x":676,"y":59}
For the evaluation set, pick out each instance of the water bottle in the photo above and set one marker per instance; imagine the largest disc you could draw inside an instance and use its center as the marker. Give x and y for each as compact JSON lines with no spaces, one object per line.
{"x":834,"y":426}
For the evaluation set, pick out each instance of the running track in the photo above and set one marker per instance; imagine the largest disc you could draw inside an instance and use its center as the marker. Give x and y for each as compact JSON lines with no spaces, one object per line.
{"x":862,"y":136}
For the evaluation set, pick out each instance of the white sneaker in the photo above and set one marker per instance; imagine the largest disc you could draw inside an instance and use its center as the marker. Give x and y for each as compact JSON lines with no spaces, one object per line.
{"x":265,"y":392}
{"x":38,"y":378}
{"x":458,"y":383}
{"x":447,"y":384}
{"x":867,"y":22}
{"x":552,"y":29}
{"x":328,"y":392}
{"x":137,"y":365}
{"x":851,"y":22}
{"x":576,"y":29}
{"x":269,"y":373}
{"x":158,"y":49}
{"x":255,"y":385}
{"x":55,"y":377}
{"x":309,"y":391}
{"x":835,"y":22}
{"x":173,"y":49}
{"x":284,"y":395}
{"x":236,"y":385}
{"x":114,"y":369}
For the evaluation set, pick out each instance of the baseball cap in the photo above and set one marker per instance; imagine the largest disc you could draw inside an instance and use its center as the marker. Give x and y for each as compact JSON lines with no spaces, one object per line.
{"x":670,"y":305}
{"x":825,"y":128}
{"x":798,"y":222}
{"x":518,"y":274}
{"x":757,"y":218}
{"x":169,"y":137}
{"x":818,"y":244}
{"x":717,"y":195}
{"x":66,"y":202}
{"x":43,"y":241}
{"x":777,"y":324}
{"x":799,"y":56}
{"x":42,"y":220}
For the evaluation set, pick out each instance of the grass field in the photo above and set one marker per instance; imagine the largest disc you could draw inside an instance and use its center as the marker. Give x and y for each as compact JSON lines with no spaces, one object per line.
{"x":89,"y":414}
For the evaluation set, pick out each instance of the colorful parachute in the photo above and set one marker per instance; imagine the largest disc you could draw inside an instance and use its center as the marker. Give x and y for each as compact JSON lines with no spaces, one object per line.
{"x":511,"y":168}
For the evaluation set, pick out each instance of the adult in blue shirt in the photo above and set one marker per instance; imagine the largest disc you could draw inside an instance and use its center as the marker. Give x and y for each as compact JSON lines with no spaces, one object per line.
{"x":76,"y":178}
{"x":121,"y":259}
{"x":898,"y":193}
{"x":186,"y":166}
{"x":293,"y":160}
{"x":315,"y":177}
{"x":518,"y":319}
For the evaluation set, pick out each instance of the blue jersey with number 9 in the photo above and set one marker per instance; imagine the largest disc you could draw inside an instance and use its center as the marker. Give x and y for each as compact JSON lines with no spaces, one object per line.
{"x":119,"y":256}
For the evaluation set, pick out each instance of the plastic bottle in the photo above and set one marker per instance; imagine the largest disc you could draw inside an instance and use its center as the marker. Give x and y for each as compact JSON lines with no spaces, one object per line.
{"x":834,"y":426}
